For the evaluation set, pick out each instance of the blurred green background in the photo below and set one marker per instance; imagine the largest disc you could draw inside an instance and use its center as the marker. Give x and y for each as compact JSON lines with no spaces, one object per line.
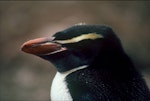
{"x":25,"y":77}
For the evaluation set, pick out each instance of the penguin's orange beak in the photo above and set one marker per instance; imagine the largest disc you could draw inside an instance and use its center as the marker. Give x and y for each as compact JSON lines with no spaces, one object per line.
{"x":42,"y":46}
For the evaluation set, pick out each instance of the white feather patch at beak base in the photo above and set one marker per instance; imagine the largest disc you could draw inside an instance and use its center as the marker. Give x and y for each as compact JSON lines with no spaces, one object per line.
{"x":91,"y":36}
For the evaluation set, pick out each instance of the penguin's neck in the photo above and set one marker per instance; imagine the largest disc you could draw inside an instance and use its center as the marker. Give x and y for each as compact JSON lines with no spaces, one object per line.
{"x":59,"y":89}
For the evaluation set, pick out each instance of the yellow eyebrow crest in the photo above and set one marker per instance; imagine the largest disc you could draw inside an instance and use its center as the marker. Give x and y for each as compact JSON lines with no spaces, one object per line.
{"x":91,"y":36}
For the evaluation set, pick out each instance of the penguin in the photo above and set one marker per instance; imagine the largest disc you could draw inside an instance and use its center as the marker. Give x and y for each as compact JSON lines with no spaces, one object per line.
{"x":91,"y":65}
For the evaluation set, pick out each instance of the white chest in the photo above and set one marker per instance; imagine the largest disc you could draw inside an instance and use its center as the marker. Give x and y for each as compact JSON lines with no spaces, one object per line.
{"x":59,"y":90}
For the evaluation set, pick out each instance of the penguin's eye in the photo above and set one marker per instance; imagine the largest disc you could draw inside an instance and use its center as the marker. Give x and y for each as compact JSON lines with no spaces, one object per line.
{"x":90,"y":36}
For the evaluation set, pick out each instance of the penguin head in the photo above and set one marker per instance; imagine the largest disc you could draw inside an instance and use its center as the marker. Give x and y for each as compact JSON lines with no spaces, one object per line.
{"x":75,"y":46}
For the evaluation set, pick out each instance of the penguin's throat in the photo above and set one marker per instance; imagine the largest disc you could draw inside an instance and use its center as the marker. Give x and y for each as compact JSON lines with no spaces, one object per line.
{"x":74,"y":69}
